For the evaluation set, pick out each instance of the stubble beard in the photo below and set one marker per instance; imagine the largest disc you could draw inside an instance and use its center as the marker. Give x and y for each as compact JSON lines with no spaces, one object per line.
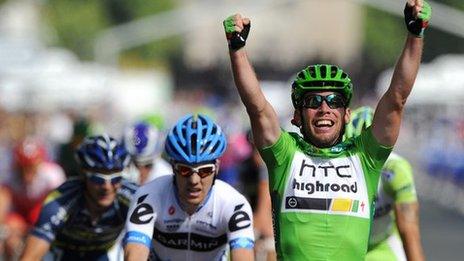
{"x":310,"y":138}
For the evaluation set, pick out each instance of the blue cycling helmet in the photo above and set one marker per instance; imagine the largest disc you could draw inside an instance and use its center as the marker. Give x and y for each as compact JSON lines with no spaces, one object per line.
{"x":102,"y":153}
{"x":195,"y":139}
{"x":143,"y":142}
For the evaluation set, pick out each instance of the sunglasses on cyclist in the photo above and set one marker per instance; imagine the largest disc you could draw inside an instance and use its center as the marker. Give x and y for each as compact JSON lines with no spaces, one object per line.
{"x":202,"y":170}
{"x":101,"y":179}
{"x":334,"y":101}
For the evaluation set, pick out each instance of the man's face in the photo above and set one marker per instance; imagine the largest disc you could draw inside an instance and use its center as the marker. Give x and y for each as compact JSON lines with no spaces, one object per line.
{"x":194,"y":182}
{"x":144,"y":171}
{"x":323,"y":126}
{"x":102,"y":192}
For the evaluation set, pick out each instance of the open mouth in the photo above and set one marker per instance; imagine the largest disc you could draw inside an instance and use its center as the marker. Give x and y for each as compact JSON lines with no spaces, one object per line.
{"x":324,"y":123}
{"x":194,"y":193}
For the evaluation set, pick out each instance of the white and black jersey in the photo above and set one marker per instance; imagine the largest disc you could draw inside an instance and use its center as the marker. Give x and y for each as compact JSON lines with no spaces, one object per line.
{"x":157,"y":221}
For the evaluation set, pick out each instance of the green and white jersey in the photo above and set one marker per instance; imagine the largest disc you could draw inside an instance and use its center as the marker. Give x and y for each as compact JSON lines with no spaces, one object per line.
{"x":321,"y":198}
{"x":396,"y":186}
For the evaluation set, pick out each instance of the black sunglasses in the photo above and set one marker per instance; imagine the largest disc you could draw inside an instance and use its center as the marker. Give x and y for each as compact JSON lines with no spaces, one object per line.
{"x":334,"y":101}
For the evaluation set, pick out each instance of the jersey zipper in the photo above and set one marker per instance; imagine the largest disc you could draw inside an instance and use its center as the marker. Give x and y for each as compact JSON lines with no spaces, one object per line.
{"x":188,"y":237}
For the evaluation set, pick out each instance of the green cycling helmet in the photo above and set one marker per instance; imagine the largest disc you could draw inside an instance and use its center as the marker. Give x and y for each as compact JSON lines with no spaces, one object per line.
{"x":321,"y":77}
{"x":361,"y":118}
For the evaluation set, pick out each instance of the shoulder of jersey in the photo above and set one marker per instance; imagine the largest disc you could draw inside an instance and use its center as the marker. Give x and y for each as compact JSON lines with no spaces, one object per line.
{"x":396,"y":158}
{"x":129,"y":185}
{"x":70,"y":189}
{"x":226,"y":191}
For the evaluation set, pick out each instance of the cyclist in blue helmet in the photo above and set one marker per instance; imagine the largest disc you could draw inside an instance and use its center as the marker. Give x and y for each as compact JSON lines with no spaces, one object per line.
{"x":144,"y":144}
{"x":83,"y":218}
{"x":190,"y":215}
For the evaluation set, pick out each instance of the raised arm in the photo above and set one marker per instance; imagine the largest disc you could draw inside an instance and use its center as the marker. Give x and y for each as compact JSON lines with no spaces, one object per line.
{"x":387,"y":117}
{"x":263,"y":119}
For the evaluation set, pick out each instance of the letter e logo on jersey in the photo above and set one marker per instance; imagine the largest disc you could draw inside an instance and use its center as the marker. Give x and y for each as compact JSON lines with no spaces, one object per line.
{"x":239,"y":220}
{"x":142,"y":213}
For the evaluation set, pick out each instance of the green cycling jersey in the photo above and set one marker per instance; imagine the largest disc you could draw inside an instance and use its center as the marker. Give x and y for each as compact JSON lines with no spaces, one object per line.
{"x":396,"y":186}
{"x":322,"y":197}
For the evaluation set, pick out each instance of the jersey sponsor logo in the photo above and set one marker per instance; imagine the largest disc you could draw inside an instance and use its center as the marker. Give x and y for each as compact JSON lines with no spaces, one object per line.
{"x":59,"y":216}
{"x":143,"y":213}
{"x":333,"y":186}
{"x":137,"y":237}
{"x":172,"y":227}
{"x":239,"y":220}
{"x":192,"y":241}
{"x":313,"y":170}
{"x":316,"y":172}
{"x":242,"y":243}
{"x":174,"y":220}
{"x":292,"y":202}
{"x":388,"y":175}
{"x":310,"y":188}
{"x":206,"y":224}
{"x":171,"y":210}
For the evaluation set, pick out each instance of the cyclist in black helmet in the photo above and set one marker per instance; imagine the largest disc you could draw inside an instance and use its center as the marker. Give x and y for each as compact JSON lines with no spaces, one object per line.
{"x":321,"y":187}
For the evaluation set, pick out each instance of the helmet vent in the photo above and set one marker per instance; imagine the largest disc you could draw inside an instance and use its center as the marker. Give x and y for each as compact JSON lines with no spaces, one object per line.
{"x":322,"y":83}
{"x":193,"y":143}
{"x":215,"y":147}
{"x":205,"y":146}
{"x":184,"y":132}
{"x":333,"y":71}
{"x":323,"y":72}
{"x":312,"y":72}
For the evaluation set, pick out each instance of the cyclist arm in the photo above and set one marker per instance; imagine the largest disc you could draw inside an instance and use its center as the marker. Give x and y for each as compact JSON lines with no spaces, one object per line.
{"x":134,"y":251}
{"x":387,"y":118}
{"x":263,"y":118}
{"x":263,"y":213}
{"x":239,"y":254}
{"x":35,"y":248}
{"x":407,"y":220}
{"x":137,"y":239}
{"x":5,"y":202}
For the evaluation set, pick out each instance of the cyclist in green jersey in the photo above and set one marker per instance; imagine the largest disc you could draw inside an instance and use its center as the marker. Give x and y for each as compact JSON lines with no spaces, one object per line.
{"x":322,"y":188}
{"x":396,"y":207}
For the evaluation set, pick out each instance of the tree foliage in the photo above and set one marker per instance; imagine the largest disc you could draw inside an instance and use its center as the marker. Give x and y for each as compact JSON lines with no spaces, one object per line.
{"x":77,"y":23}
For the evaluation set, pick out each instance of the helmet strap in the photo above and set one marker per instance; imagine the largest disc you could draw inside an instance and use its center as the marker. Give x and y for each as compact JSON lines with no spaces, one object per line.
{"x":296,"y":121}
{"x":298,"y":118}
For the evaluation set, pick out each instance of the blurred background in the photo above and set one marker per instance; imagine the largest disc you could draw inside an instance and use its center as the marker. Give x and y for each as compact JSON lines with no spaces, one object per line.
{"x":71,"y":67}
